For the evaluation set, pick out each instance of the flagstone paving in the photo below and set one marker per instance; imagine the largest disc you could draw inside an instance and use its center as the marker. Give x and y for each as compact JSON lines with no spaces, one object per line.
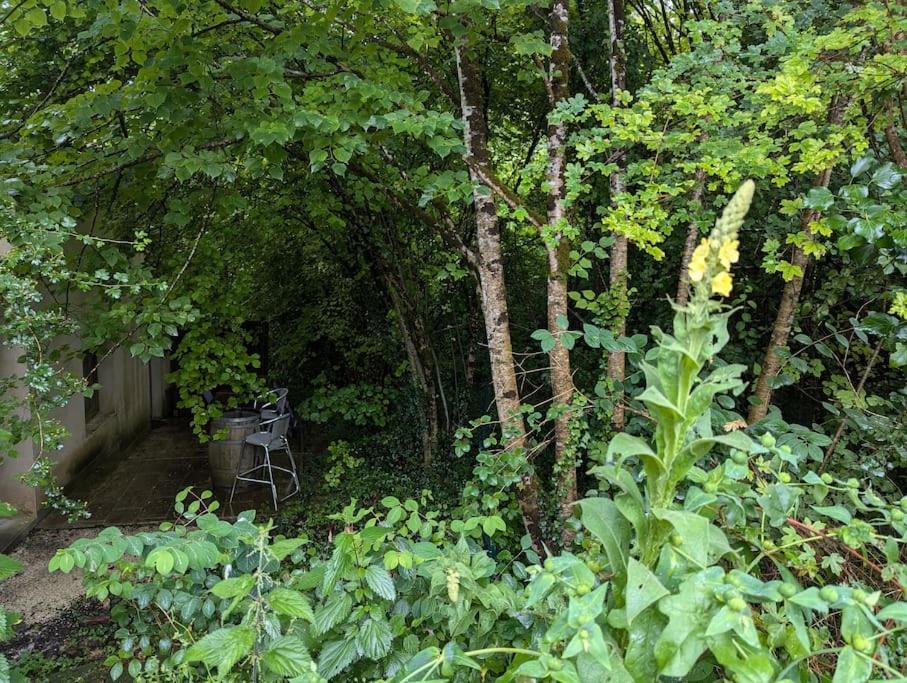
{"x":140,"y":486}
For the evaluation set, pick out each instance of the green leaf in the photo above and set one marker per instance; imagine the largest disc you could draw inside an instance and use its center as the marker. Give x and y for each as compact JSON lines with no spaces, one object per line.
{"x":58,"y":10}
{"x":336,"y":656}
{"x":703,"y":542}
{"x":290,"y":603}
{"x":36,"y":16}
{"x":861,"y":165}
{"x":287,"y":656}
{"x":374,"y":638}
{"x":689,"y":613}
{"x":161,"y":559}
{"x":380,"y":581}
{"x":285,"y":547}
{"x":852,"y":667}
{"x":886,"y":176}
{"x":819,"y":198}
{"x":233,"y":587}
{"x":896,"y":611}
{"x":335,"y":610}
{"x":836,"y":512}
{"x":643,"y":589}
{"x":9,"y":567}
{"x":603,"y":520}
{"x":223,"y":648}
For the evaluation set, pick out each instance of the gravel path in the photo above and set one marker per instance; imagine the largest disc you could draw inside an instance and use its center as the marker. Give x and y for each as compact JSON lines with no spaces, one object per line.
{"x":36,"y":593}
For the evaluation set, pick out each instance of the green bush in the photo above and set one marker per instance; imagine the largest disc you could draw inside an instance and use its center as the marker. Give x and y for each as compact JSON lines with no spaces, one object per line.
{"x":705,"y":556}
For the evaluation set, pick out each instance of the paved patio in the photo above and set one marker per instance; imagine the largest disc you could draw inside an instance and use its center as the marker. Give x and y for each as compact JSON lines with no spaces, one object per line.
{"x":140,"y":486}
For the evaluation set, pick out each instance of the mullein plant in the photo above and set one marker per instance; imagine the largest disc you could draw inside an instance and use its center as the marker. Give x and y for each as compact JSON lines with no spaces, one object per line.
{"x":654,"y":542}
{"x":677,"y":397}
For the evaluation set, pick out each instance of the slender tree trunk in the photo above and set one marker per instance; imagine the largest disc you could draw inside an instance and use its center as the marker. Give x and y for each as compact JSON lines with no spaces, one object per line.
{"x":558,"y":247}
{"x":491,"y":280}
{"x":619,"y":275}
{"x":784,"y":320}
{"x":893,"y":140}
{"x":790,"y":296}
{"x":420,"y":356}
{"x":689,"y":246}
{"x":843,"y":424}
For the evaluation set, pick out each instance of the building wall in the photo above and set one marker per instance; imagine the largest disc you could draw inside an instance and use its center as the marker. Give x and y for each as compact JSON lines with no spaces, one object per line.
{"x":125,"y":414}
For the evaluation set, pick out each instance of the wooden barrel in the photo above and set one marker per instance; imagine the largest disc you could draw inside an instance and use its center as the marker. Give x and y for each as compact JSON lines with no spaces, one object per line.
{"x":229,"y":455}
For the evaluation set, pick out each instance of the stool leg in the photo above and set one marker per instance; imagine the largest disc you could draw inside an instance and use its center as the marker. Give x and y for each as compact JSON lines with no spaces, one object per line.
{"x":271,"y":477}
{"x":292,"y":466}
{"x":236,"y":474}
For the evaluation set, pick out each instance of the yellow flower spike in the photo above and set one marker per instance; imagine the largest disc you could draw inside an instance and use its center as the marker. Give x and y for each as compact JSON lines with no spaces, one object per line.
{"x":728,"y":253}
{"x":699,"y":261}
{"x":722,"y":283}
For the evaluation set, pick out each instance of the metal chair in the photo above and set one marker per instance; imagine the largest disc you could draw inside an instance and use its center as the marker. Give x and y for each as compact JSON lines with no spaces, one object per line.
{"x":272,"y":408}
{"x":273,"y":437}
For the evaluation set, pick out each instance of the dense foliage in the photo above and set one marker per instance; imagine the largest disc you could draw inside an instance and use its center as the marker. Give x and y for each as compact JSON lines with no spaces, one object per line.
{"x":473,"y":239}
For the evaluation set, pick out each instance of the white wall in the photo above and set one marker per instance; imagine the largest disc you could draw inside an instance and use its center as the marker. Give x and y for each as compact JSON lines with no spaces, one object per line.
{"x":125,"y":399}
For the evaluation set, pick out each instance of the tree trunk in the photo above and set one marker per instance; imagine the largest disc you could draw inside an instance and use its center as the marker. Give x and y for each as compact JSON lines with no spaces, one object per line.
{"x":784,"y":320}
{"x":491,"y":280}
{"x":894,"y":142}
{"x":558,"y":247}
{"x":420,"y":357}
{"x":618,"y":275}
{"x":683,"y":284}
{"x":790,"y":297}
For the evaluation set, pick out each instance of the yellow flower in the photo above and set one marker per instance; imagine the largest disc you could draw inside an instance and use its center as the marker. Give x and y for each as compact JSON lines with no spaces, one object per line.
{"x":721,"y":283}
{"x":728,"y":253}
{"x":699,"y":261}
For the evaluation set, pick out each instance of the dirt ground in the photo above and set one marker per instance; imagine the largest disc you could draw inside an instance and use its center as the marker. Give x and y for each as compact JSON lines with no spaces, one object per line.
{"x":59,"y":628}
{"x":36,"y":594}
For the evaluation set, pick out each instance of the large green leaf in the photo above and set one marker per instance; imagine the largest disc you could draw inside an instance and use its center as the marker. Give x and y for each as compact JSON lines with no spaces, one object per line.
{"x":703,"y":542}
{"x":380,"y":581}
{"x":290,"y":603}
{"x":374,"y":638}
{"x":747,"y":664}
{"x":336,"y":656}
{"x":223,"y":648}
{"x":287,"y":656}
{"x":852,"y":667}
{"x":334,"y":610}
{"x":603,"y":520}
{"x":643,"y":589}
{"x":689,"y":612}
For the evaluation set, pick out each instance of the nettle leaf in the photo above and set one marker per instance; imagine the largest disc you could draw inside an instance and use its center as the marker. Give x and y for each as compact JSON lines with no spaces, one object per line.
{"x":335,"y":610}
{"x":287,"y":656}
{"x":223,"y":648}
{"x":374,"y":638}
{"x":290,"y":603}
{"x":336,"y":656}
{"x":380,"y":581}
{"x":233,"y":587}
